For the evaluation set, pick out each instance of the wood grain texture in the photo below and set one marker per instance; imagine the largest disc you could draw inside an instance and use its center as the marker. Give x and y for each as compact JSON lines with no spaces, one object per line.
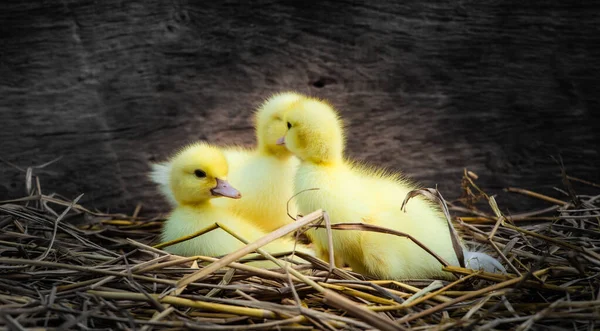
{"x":426,"y":87}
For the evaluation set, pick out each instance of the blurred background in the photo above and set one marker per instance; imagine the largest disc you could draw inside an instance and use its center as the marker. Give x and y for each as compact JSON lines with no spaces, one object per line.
{"x":425,"y":87}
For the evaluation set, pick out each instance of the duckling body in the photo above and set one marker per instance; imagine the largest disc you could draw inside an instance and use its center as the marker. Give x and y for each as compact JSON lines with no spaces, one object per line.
{"x":267,"y":207}
{"x":197,"y":178}
{"x":378,"y":255}
{"x":264,"y":174}
{"x":188,"y":219}
{"x":349,"y":192}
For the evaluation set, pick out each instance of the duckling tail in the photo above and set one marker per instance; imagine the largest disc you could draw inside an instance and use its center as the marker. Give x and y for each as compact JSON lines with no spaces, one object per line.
{"x":160,"y":175}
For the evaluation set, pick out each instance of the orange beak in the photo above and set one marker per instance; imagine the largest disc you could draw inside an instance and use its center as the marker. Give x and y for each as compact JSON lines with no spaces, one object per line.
{"x":281,"y":141}
{"x":224,"y":189}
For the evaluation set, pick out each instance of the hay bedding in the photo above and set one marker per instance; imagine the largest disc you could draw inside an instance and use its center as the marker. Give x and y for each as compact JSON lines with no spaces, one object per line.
{"x":65,"y":267}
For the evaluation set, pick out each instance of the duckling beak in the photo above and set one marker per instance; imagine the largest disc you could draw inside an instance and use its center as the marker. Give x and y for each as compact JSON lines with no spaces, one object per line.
{"x":281,"y":141}
{"x":224,"y":189}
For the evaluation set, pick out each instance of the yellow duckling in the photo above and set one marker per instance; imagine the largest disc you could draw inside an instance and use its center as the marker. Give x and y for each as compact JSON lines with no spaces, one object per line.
{"x":198,"y":175}
{"x":349,"y":192}
{"x":265,"y":174}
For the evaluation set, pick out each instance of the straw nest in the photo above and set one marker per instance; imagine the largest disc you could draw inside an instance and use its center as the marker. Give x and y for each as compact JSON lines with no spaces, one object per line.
{"x":63,"y":266}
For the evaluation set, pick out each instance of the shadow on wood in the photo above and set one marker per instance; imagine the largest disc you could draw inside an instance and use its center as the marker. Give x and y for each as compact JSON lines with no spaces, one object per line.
{"x":425,"y":87}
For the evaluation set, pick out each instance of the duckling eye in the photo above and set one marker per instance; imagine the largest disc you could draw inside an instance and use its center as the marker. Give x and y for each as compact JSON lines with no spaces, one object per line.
{"x":289,"y":125}
{"x":199,"y":173}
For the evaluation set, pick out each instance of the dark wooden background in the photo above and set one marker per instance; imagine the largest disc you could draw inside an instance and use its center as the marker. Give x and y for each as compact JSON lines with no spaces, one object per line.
{"x":426,"y":87}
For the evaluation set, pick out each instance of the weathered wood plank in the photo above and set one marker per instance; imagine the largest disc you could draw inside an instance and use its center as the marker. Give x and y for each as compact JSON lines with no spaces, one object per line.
{"x":427,"y":87}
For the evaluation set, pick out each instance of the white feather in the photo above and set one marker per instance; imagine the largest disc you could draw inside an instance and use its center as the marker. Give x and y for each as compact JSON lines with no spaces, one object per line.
{"x":482,"y":261}
{"x":160,"y":175}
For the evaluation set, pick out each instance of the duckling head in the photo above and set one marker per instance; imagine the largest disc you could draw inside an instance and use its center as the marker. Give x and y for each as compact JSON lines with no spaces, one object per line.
{"x":269,"y":122}
{"x":199,"y":173}
{"x":315,"y":132}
